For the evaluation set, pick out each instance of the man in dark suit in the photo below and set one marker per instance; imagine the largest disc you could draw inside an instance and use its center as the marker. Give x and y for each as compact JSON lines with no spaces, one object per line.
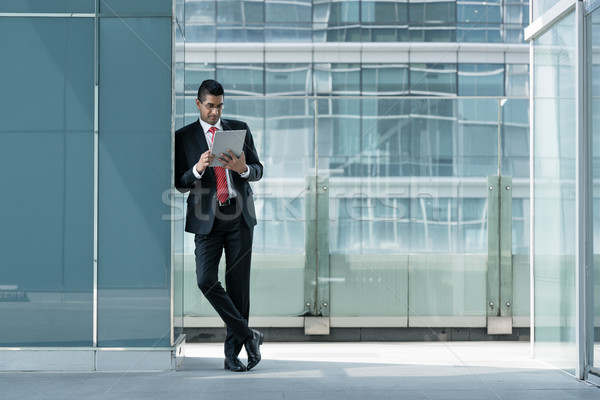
{"x":220,"y":212}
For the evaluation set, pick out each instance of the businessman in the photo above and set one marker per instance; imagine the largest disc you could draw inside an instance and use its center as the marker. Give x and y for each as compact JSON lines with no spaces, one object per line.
{"x":220,"y":212}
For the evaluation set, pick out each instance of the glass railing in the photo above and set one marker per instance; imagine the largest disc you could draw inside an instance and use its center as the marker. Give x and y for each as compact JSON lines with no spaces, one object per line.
{"x":396,"y":193}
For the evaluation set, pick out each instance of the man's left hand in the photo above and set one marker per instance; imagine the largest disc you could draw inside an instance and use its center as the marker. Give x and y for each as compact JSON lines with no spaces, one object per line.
{"x":230,"y":161}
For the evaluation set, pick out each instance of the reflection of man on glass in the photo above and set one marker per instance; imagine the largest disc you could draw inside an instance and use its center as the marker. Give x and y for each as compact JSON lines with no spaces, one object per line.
{"x":220,"y":212}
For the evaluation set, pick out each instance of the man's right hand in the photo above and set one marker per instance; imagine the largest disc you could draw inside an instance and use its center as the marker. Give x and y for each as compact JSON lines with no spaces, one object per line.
{"x":204,"y":161}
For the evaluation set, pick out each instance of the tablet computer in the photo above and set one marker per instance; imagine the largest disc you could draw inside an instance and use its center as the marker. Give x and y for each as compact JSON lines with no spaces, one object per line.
{"x":224,"y":140}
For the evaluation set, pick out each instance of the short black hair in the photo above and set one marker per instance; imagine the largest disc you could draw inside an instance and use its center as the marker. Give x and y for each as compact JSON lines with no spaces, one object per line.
{"x":210,"y":86}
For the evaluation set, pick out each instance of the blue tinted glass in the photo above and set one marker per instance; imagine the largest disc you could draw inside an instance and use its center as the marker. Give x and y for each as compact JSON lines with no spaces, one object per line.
{"x":515,"y":137}
{"x":433,"y":79}
{"x":291,"y":32}
{"x":288,"y":11}
{"x":391,"y":79}
{"x":45,"y":6}
{"x":480,"y":79}
{"x":288,"y":79}
{"x":164,"y":7}
{"x":135,"y":127}
{"x":336,"y":12}
{"x":200,"y":12}
{"x":240,"y":11}
{"x":432,"y":33}
{"x":337,"y":79}
{"x":242,"y":79}
{"x":479,"y":33}
{"x":200,"y":33}
{"x":383,"y":12}
{"x":46,"y":170}
{"x":478,"y":13}
{"x":432,"y":12}
{"x":240,"y":33}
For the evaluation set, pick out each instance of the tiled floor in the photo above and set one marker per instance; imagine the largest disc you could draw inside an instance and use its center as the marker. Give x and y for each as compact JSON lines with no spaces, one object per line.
{"x":306,"y":371}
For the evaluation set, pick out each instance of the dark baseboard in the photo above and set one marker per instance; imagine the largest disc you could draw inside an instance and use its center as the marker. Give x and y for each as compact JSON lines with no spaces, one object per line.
{"x":217,"y":335}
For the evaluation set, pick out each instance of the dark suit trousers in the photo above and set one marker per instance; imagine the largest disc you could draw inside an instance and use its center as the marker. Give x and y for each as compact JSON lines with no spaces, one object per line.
{"x":231,"y":233}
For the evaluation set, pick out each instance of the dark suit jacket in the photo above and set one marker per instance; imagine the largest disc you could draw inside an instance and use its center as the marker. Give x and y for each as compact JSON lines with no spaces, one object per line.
{"x":190,"y":143}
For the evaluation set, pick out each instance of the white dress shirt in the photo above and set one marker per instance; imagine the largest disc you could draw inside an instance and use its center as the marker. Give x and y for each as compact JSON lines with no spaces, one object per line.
{"x":208,"y":137}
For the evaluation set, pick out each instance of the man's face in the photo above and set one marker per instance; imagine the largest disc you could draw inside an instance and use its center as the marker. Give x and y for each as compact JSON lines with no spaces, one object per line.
{"x":210,"y":108}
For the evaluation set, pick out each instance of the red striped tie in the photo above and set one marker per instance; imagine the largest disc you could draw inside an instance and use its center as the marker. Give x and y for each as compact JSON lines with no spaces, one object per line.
{"x":220,"y":173}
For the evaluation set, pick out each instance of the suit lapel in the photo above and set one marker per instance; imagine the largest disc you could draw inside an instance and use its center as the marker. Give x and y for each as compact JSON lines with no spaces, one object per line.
{"x":200,"y":138}
{"x":225,"y":125}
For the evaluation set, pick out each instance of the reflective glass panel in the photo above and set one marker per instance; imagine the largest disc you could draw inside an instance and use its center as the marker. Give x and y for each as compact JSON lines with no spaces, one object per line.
{"x":288,"y":11}
{"x":45,"y":6}
{"x":517,"y":80}
{"x":432,"y":79}
{"x":134,"y":262}
{"x":288,"y":79}
{"x":384,"y":79}
{"x":594,"y":60}
{"x":47,"y":176}
{"x":239,"y":79}
{"x":337,"y":79}
{"x":117,"y":7}
{"x":481,"y":80}
{"x":554,"y":194}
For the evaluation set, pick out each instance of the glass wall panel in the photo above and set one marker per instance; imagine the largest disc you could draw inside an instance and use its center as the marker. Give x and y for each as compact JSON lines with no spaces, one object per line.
{"x":288,"y":11}
{"x":541,"y":6}
{"x":238,"y":79}
{"x":433,"y":79}
{"x":337,"y":79}
{"x":481,"y":80}
{"x":478,"y":137}
{"x":288,"y":79}
{"x":240,"y":12}
{"x":516,"y":17}
{"x":200,"y":17}
{"x":240,"y":33}
{"x":594,"y":60}
{"x":384,"y":21}
{"x":554,"y":194}
{"x":517,"y":80}
{"x":288,"y":32}
{"x":384,"y":79}
{"x":515,"y":138}
{"x":479,"y":21}
{"x":47,"y":178}
{"x":387,"y":226}
{"x":240,"y":21}
{"x":288,"y":20}
{"x":515,"y":144}
{"x":432,"y":21}
{"x":134,"y":265}
{"x":45,"y":6}
{"x":431,"y":137}
{"x":117,"y":7}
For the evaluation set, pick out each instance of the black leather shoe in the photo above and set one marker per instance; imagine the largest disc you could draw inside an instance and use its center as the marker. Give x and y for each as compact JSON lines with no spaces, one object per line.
{"x":253,"y":348}
{"x":234,"y":364}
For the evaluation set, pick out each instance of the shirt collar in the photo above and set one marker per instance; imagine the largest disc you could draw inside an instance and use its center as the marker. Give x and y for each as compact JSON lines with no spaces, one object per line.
{"x":206,"y":126}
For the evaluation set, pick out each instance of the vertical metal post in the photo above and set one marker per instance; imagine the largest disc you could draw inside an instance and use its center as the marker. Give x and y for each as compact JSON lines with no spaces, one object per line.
{"x":316,"y":289}
{"x":493,"y":270}
{"x":505,"y":247}
{"x":96,"y":156}
{"x":499,"y":273}
{"x":531,"y":199}
{"x":583,"y":208}
{"x":310,"y":246}
{"x":323,"y":245}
